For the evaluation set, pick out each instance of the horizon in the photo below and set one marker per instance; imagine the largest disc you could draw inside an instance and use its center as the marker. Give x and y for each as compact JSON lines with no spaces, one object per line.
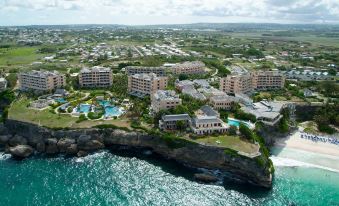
{"x":160,"y":12}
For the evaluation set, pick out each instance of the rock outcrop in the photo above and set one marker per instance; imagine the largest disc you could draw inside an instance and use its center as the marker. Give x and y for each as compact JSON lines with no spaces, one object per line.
{"x":21,"y":151}
{"x":82,"y":141}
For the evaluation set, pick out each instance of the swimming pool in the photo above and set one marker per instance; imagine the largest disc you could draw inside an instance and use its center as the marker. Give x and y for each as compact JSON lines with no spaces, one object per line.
{"x":84,"y":108}
{"x":61,"y":100}
{"x":236,"y":122}
{"x":111,"y":111}
{"x":104,"y":103}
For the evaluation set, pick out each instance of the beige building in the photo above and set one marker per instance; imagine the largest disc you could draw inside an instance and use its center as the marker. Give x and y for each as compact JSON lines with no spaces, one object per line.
{"x":3,"y":84}
{"x":208,"y":125}
{"x":164,"y":100}
{"x":195,"y":67}
{"x":159,"y":71}
{"x":95,"y":77}
{"x":145,"y":84}
{"x":222,"y":102}
{"x":267,"y":80}
{"x":41,"y":80}
{"x":239,"y":83}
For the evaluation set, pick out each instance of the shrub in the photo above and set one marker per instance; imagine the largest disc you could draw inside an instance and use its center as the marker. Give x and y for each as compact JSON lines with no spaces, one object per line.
{"x":70,"y":109}
{"x":82,"y":118}
{"x":246,"y":132}
{"x":232,"y":130}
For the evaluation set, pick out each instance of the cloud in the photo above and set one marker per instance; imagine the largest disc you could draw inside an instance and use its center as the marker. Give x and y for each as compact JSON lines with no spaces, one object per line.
{"x":302,"y":11}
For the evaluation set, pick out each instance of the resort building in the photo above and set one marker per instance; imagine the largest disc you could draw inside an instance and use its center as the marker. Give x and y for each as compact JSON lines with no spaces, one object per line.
{"x":210,"y":92}
{"x":3,"y":84}
{"x":265,"y":112}
{"x":145,"y":84}
{"x":95,"y":77}
{"x":180,"y":85}
{"x":207,"y":111}
{"x":159,"y":71}
{"x":267,"y":80}
{"x":239,"y":83}
{"x":170,"y":122}
{"x":41,"y":80}
{"x":222,"y":102}
{"x":164,"y":100}
{"x":208,"y":124}
{"x":192,"y":92}
{"x":195,"y":67}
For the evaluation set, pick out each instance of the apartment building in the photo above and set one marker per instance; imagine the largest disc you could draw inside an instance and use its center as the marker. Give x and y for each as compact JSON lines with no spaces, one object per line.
{"x":145,"y":84}
{"x":267,"y":80}
{"x":222,"y":102}
{"x":41,"y":80}
{"x":237,"y":83}
{"x":164,"y":100}
{"x":170,"y":122}
{"x":95,"y":77}
{"x":159,"y":71}
{"x":3,"y":84}
{"x":195,"y":67}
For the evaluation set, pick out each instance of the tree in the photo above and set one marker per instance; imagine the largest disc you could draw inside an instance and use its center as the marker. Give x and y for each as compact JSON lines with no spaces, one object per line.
{"x":246,"y":132}
{"x":332,"y":72}
{"x":232,"y":130}
{"x":183,"y":77}
{"x":181,"y":124}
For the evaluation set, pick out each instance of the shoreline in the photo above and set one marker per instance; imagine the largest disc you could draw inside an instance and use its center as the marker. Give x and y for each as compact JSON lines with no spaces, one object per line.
{"x":294,"y":151}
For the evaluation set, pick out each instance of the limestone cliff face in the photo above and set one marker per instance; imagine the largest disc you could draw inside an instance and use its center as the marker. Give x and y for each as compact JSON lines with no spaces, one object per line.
{"x":86,"y":140}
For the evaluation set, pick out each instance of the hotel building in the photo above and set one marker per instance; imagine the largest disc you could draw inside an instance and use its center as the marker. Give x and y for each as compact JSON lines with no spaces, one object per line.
{"x":267,"y":80}
{"x":95,"y":77}
{"x":195,"y":67}
{"x":145,"y":84}
{"x":222,"y":102}
{"x":164,"y":100}
{"x":240,"y":83}
{"x":41,"y":80}
{"x":159,"y":71}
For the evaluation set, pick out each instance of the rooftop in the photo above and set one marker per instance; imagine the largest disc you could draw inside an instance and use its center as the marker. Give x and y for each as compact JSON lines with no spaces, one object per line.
{"x":176,"y":117}
{"x":264,"y":109}
{"x":209,"y":111}
{"x":95,"y":69}
{"x":165,"y":94}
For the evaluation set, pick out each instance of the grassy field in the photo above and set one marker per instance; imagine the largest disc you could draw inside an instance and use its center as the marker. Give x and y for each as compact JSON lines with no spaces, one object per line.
{"x":20,"y":111}
{"x":232,"y":142}
{"x":19,"y":55}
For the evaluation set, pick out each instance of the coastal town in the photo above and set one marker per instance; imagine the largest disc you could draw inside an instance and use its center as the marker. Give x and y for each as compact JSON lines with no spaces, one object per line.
{"x":226,"y":92}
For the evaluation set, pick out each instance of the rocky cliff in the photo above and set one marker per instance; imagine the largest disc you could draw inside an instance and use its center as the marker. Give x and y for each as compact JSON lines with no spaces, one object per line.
{"x":79,"y":142}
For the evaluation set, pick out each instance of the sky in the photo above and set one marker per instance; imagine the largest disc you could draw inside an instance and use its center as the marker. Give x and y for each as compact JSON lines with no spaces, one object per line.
{"x":147,"y":12}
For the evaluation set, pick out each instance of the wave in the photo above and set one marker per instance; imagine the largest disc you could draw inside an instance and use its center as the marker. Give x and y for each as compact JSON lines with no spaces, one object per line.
{"x":90,"y":157}
{"x":286,"y":162}
{"x":4,"y":156}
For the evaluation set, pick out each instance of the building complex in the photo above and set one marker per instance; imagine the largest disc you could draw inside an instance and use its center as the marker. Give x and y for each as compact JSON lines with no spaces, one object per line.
{"x":95,"y":77}
{"x":145,"y":84}
{"x":164,"y":100}
{"x":41,"y":80}
{"x":195,"y":67}
{"x":159,"y":71}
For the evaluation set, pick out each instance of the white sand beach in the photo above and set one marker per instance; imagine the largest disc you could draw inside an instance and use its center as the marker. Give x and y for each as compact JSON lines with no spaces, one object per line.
{"x":296,"y":142}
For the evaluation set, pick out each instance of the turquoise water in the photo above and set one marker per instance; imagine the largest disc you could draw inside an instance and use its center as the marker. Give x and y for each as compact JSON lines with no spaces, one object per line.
{"x":104,"y":103}
{"x":121,"y":179}
{"x":84,"y":108}
{"x":235,"y":122}
{"x":111,"y":111}
{"x":61,"y":100}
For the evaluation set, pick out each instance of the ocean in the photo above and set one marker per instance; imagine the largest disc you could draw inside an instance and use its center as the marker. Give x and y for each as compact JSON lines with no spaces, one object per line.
{"x":124,"y":178}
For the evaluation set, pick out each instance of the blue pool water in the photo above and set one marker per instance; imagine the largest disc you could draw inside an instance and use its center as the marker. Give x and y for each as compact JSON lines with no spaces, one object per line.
{"x":61,"y":100}
{"x":111,"y":111}
{"x":84,"y":108}
{"x":235,"y":122}
{"x":104,"y":103}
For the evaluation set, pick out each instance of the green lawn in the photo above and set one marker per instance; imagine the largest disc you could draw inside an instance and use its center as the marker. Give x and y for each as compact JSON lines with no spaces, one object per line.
{"x":19,"y":55}
{"x":20,"y":111}
{"x":232,"y":142}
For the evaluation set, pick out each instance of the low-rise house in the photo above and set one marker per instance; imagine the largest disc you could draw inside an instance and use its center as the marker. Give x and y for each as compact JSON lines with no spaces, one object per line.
{"x":61,"y":92}
{"x":96,"y":76}
{"x":207,"y":111}
{"x":208,"y":125}
{"x":164,"y":100}
{"x":145,"y":84}
{"x":171,"y":122}
{"x":266,"y":112}
{"x":3,"y":84}
{"x":180,"y":85}
{"x":308,"y":93}
{"x":222,"y":102}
